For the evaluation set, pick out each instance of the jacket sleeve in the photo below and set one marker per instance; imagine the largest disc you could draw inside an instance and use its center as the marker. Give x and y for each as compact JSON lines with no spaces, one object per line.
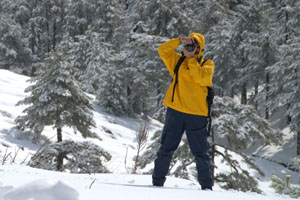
{"x":202,"y":75}
{"x":167,"y":54}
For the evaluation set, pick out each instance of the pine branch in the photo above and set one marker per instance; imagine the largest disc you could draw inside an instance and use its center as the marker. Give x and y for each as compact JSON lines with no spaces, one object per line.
{"x":229,"y":161}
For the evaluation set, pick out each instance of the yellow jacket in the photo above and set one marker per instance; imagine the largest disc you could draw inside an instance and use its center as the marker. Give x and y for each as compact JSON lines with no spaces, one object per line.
{"x":191,"y":90}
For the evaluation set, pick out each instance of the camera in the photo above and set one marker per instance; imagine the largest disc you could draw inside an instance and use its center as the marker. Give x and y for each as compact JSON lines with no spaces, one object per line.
{"x":189,"y":47}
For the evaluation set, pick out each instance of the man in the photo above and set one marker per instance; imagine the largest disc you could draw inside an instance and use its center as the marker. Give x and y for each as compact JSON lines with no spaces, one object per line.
{"x":187,"y":107}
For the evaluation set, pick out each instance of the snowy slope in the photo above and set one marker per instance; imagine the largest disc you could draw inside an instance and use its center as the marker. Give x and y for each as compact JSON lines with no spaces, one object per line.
{"x":117,"y":134}
{"x":18,"y":181}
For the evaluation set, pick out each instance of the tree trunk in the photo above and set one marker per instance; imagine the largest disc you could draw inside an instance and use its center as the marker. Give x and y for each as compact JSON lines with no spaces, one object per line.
{"x":298,"y":141}
{"x":289,"y":118}
{"x":32,"y":41}
{"x":244,"y":94}
{"x":59,"y":135}
{"x":232,"y":92}
{"x":60,"y":157}
{"x":286,"y":26}
{"x":256,"y":93}
{"x":48,"y":28}
{"x":54,"y":34}
{"x":81,"y":15}
{"x":60,"y":161}
{"x":267,"y":95}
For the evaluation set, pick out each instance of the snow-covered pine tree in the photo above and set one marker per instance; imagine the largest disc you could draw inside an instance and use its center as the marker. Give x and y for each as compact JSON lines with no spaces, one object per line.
{"x":15,"y":53}
{"x":145,"y":73}
{"x":266,"y":57}
{"x":88,"y":55}
{"x":219,"y":45}
{"x":110,"y":22}
{"x":234,"y":45}
{"x":237,"y":126}
{"x":137,"y":89}
{"x":111,"y":94}
{"x":80,"y":53}
{"x":260,"y":50}
{"x":284,"y":87}
{"x":284,"y":92}
{"x":41,"y":21}
{"x":246,"y":46}
{"x":80,"y":157}
{"x":287,"y":17}
{"x":48,"y":18}
{"x":77,"y":17}
{"x":55,"y":99}
{"x":30,"y":15}
{"x":137,"y":69}
{"x":162,"y":18}
{"x":89,"y":81}
{"x":283,"y":185}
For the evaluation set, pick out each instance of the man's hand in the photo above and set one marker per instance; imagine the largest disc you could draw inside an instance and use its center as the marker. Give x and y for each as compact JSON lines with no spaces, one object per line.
{"x":188,"y":40}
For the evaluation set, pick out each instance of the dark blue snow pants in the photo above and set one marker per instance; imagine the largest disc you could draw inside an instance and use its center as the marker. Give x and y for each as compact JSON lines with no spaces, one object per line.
{"x":195,"y":127}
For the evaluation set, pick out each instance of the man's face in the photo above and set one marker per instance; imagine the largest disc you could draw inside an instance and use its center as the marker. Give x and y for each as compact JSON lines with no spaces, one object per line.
{"x":191,"y":54}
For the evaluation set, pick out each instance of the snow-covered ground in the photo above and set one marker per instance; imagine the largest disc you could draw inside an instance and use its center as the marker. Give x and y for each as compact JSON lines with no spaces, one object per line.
{"x":20,"y":182}
{"x":24,"y":183}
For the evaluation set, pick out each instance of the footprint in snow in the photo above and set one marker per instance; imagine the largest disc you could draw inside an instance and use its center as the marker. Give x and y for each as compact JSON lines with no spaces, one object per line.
{"x":131,"y":181}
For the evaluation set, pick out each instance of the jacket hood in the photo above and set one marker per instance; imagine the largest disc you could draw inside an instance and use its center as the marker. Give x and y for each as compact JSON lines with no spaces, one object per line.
{"x":201,"y":41}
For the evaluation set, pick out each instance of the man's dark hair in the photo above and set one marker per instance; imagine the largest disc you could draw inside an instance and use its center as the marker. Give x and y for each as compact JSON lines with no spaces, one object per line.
{"x":196,"y":42}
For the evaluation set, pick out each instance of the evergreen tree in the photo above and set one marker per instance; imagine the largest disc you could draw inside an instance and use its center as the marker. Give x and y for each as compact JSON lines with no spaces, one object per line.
{"x":111,"y":94}
{"x":76,"y":20}
{"x":283,"y":185}
{"x":162,"y":18}
{"x":285,"y":81}
{"x":80,"y":54}
{"x":41,"y":22}
{"x":15,"y":53}
{"x":89,"y":81}
{"x":284,"y":74}
{"x":145,"y":73}
{"x":267,"y":57}
{"x":87,"y":53}
{"x":220,"y":46}
{"x":238,"y":127}
{"x":97,"y":51}
{"x":80,"y":157}
{"x":246,"y":45}
{"x":56,"y":100}
{"x":156,"y":74}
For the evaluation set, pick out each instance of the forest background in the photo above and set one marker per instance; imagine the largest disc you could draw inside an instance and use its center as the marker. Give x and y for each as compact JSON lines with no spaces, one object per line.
{"x":113,"y":44}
